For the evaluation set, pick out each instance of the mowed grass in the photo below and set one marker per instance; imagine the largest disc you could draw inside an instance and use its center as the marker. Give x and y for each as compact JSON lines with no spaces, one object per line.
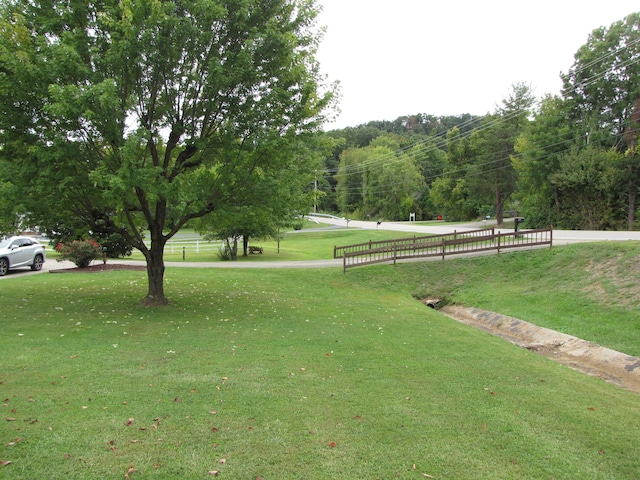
{"x":310,"y":244}
{"x":293,"y":374}
{"x":591,"y":291}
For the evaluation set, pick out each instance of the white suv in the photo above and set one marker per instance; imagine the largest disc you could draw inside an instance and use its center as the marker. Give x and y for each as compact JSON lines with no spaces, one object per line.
{"x":18,"y":252}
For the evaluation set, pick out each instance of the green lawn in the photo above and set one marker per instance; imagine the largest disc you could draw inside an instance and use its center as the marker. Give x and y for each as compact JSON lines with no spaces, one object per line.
{"x":306,"y":374}
{"x":312,"y":244}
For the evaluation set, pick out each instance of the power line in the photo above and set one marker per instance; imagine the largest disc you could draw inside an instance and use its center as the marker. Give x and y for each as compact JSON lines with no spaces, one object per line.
{"x":430,"y":144}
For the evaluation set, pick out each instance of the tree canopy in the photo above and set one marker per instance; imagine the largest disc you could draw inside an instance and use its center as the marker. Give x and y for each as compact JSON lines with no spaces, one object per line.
{"x":522,"y":157}
{"x":137,"y":116}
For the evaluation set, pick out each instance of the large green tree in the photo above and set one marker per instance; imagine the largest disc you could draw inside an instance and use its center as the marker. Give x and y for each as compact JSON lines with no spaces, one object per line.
{"x":492,"y":178}
{"x":450,"y":192}
{"x":540,"y":151}
{"x":602,"y":91}
{"x":588,"y":188}
{"x":276,"y":200}
{"x":141,"y":115}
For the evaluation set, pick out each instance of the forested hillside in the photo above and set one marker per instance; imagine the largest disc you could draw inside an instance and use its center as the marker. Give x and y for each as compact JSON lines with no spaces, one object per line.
{"x":568,"y":160}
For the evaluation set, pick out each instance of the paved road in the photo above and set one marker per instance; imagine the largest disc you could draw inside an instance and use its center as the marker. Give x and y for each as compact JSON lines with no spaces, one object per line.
{"x":560,"y":237}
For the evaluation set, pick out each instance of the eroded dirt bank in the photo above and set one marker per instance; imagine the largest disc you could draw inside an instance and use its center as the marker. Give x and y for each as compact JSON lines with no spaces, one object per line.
{"x":612,"y":366}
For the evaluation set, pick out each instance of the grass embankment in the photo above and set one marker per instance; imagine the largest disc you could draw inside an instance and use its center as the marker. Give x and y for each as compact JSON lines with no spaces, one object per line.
{"x":312,"y":374}
{"x":591,"y":291}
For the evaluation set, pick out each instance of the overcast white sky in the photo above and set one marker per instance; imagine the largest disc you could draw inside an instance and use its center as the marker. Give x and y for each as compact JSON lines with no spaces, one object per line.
{"x":402,"y":57}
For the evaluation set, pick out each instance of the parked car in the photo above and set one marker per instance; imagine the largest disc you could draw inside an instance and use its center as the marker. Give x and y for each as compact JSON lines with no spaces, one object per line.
{"x":16,"y":252}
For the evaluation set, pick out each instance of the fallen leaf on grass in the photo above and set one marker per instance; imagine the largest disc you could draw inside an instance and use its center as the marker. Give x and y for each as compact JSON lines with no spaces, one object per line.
{"x":222,"y":461}
{"x":591,"y":408}
{"x":4,"y":463}
{"x":11,"y":444}
{"x":426,"y":475}
{"x":10,"y":419}
{"x":130,"y":471}
{"x":129,"y":422}
{"x":213,"y":472}
{"x":332,"y":444}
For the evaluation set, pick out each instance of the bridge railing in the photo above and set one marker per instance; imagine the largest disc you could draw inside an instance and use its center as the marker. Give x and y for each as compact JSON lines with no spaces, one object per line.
{"x":455,"y":243}
{"x":338,"y":252}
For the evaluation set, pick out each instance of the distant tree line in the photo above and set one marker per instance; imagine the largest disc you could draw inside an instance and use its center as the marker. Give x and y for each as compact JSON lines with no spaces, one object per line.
{"x":568,"y":160}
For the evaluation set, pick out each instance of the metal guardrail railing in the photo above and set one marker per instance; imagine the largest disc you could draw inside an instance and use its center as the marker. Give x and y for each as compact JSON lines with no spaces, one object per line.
{"x":455,"y":243}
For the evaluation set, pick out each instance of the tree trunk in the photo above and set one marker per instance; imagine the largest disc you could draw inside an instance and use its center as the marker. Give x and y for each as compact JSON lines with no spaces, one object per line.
{"x":633,"y":202}
{"x":633,"y":198}
{"x":233,"y":248}
{"x":155,"y":272}
{"x":245,"y":245}
{"x":499,"y":202}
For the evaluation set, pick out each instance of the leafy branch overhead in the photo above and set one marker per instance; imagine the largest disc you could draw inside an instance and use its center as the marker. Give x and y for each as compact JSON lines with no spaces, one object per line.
{"x":143,"y":114}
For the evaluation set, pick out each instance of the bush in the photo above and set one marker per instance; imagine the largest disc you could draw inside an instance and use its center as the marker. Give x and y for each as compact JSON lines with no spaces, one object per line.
{"x":224,"y":252}
{"x":80,"y":252}
{"x":115,"y":244}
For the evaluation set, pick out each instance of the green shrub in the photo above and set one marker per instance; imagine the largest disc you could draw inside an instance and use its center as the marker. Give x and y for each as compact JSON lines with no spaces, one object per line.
{"x":224,"y":253}
{"x":115,"y":244}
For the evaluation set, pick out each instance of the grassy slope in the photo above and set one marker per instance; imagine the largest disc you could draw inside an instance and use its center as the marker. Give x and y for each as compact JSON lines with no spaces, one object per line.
{"x":589,"y":290}
{"x":311,"y":374}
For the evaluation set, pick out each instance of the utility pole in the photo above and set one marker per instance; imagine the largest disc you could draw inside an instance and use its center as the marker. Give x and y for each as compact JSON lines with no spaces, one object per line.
{"x":315,"y":193}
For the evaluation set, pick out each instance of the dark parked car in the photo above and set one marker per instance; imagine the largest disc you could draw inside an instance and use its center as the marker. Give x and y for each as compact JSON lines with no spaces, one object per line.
{"x":16,"y":252}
